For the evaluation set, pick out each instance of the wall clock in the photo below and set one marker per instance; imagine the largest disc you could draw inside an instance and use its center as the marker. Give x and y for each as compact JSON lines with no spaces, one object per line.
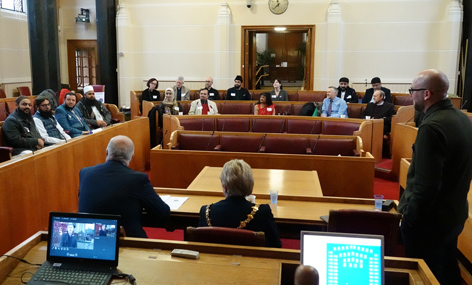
{"x":278,"y":6}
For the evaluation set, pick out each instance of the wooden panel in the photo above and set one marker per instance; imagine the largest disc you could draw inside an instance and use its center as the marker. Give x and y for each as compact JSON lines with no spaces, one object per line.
{"x":339,"y":176}
{"x":405,"y":137}
{"x":34,"y":185}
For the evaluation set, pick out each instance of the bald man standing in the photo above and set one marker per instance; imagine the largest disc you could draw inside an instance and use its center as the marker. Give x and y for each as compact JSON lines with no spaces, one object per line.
{"x":434,"y":204}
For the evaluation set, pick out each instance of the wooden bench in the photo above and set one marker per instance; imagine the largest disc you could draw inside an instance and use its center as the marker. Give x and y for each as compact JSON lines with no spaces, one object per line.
{"x":342,"y":176}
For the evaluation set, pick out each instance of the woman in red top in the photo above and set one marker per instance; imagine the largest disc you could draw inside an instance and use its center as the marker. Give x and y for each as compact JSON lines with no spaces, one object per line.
{"x":264,"y":106}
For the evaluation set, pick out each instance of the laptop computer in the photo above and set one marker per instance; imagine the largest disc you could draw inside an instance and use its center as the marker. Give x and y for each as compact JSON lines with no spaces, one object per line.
{"x":82,"y":249}
{"x":344,"y":258}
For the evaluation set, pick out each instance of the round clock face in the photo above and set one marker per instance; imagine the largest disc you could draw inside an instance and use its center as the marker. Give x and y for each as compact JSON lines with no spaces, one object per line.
{"x":278,"y":6}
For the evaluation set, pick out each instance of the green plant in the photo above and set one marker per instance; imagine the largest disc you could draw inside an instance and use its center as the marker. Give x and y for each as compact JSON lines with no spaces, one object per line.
{"x":265,"y":57}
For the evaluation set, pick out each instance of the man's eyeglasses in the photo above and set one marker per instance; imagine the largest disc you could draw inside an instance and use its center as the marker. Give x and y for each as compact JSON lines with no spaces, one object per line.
{"x":411,"y":90}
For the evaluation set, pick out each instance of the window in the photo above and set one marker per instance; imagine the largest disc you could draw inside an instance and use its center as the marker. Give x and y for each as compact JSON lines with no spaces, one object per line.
{"x":14,"y":5}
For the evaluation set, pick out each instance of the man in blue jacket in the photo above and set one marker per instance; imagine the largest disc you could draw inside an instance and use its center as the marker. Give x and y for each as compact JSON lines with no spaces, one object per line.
{"x":70,"y":117}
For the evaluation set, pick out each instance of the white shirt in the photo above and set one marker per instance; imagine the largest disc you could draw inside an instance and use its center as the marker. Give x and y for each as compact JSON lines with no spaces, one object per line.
{"x":44,"y":134}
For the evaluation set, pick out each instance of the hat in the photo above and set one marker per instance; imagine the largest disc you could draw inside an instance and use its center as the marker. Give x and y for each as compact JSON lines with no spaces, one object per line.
{"x":239,"y":77}
{"x":88,"y":89}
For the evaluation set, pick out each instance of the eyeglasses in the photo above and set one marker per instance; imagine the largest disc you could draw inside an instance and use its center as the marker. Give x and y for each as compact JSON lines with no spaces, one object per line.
{"x":411,"y":90}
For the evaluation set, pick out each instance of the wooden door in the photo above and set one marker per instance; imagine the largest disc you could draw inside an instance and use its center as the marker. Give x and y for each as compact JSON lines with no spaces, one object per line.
{"x":83,"y":63}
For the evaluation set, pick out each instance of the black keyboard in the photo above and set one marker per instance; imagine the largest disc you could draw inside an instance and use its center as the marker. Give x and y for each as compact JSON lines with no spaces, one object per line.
{"x":70,"y":276}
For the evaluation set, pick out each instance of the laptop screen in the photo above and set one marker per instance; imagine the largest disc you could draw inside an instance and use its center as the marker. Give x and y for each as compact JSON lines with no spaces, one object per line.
{"x":342,"y":258}
{"x":81,"y":237}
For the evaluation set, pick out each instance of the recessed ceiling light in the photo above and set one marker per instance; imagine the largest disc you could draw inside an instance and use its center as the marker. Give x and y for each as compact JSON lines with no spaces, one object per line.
{"x":280,"y":29}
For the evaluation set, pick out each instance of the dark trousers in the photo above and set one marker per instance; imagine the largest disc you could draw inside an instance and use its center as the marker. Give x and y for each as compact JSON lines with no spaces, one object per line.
{"x":437,"y":245}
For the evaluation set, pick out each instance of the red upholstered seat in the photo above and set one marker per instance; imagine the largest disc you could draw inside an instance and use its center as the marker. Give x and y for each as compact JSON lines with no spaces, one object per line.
{"x":3,"y":111}
{"x":225,"y":236}
{"x":197,"y":142}
{"x":354,"y":110}
{"x":303,"y":127}
{"x":245,"y":108}
{"x":263,"y":125}
{"x":344,"y":147}
{"x":368,"y":222}
{"x":98,"y":88}
{"x":2,"y":93}
{"x":297,"y":107}
{"x":288,"y":145}
{"x":233,"y":124}
{"x":241,"y":143}
{"x":24,"y":90}
{"x":11,"y":106}
{"x":198,"y":124}
{"x":283,"y":109}
{"x":311,"y":96}
{"x":403,"y":100}
{"x":292,"y":95}
{"x":339,"y":128}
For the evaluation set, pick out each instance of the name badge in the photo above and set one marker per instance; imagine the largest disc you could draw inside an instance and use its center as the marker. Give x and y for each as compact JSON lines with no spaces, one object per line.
{"x":212,"y":94}
{"x":176,"y":108}
{"x":269,"y":109}
{"x":233,"y":94}
{"x":154,"y":97}
{"x":274,"y":96}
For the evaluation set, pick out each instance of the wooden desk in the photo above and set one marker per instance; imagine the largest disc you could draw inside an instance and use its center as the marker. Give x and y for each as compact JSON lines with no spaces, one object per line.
{"x":150,"y":263}
{"x":287,"y":182}
{"x":292,"y":213}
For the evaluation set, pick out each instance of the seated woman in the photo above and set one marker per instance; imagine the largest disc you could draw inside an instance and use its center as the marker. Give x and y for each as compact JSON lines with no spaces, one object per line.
{"x":264,"y":106}
{"x":278,"y":94}
{"x":170,"y":105}
{"x":151,"y":93}
{"x":235,"y":211}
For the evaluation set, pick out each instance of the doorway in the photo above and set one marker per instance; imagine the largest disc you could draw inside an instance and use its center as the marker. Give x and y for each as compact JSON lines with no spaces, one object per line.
{"x":286,"y":55}
{"x":82,"y":63}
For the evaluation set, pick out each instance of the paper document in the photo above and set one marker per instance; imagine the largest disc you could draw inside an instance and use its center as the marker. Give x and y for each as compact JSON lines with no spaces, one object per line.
{"x":173,"y":202}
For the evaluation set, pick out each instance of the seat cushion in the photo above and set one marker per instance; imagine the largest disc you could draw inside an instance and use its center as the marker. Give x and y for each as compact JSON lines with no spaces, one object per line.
{"x":402,"y":100}
{"x":289,"y":145}
{"x":245,"y":108}
{"x":343,"y":147}
{"x":339,"y":128}
{"x":262,"y":125}
{"x":198,"y":124}
{"x":241,"y":143}
{"x":197,"y":142}
{"x":303,"y":126}
{"x":233,"y":124}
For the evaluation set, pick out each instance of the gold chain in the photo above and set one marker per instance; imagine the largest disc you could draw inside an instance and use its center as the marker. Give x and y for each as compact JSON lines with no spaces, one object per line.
{"x":242,"y":224}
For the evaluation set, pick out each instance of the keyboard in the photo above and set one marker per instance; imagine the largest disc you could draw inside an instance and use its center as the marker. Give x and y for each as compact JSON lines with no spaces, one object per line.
{"x":70,"y":276}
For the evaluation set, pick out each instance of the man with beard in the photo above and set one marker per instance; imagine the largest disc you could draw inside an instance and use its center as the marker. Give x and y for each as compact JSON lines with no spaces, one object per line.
{"x":213,"y":94}
{"x":46,"y":124}
{"x":203,"y":106}
{"x":379,"y":109}
{"x":19,"y":130}
{"x":237,"y":92}
{"x":345,"y":92}
{"x":95,"y":114}
{"x":70,"y":118}
{"x":434,"y":204}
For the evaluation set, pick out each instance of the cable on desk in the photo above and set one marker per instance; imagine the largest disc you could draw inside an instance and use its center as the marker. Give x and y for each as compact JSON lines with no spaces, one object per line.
{"x":21,"y":259}
{"x":130,"y":277}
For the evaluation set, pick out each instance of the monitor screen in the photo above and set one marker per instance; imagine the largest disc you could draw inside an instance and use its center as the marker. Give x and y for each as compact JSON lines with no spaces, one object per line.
{"x":344,"y":258}
{"x":83,"y":236}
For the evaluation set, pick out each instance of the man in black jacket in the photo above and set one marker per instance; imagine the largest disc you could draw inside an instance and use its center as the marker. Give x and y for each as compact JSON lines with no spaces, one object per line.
{"x":376,"y":85}
{"x":379,"y":109}
{"x":345,"y":92}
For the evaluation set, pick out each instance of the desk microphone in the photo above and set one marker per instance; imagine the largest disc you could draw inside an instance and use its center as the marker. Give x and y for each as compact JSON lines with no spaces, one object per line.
{"x":409,"y":120}
{"x":6,"y":112}
{"x":203,"y":123}
{"x":312,"y":128}
{"x":253,"y":123}
{"x":208,"y":145}
{"x":283,"y":125}
{"x":262,"y":141}
{"x":223,"y":127}
{"x":465,"y":102}
{"x":313,"y":149}
{"x":223,"y":107}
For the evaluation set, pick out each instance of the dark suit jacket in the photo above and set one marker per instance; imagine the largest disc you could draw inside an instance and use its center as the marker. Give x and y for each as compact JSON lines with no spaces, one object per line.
{"x":370,"y":92}
{"x":114,"y":188}
{"x":234,"y":209}
{"x":69,"y":241}
{"x":384,"y":111}
{"x":350,"y":96}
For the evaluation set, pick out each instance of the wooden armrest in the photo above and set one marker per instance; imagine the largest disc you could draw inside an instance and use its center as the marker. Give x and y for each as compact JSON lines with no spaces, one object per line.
{"x":217,"y":148}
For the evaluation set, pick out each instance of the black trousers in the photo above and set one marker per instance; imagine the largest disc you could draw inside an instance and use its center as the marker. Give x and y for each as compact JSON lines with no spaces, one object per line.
{"x":437,"y":245}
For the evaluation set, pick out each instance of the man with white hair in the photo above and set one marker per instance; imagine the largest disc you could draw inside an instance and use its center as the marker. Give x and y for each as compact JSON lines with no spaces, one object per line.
{"x":94,"y":113}
{"x":333,"y":106}
{"x":114,"y":188}
{"x":182,"y":93}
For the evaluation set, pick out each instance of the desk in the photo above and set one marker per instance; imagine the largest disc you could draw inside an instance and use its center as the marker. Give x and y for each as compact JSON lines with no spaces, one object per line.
{"x":218,"y":264}
{"x":292,"y":213}
{"x":287,"y":182}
